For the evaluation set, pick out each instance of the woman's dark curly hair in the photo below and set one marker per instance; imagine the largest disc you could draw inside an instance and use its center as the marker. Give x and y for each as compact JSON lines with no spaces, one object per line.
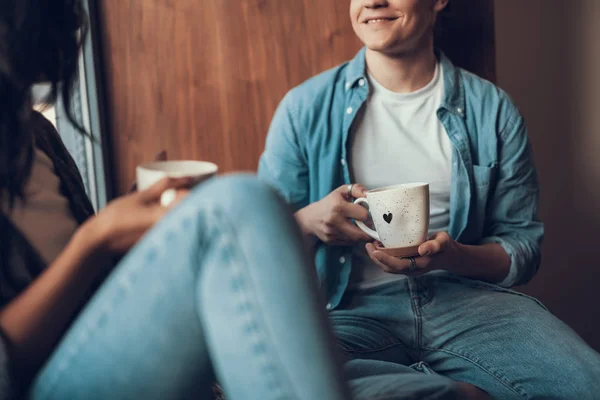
{"x":39,"y":42}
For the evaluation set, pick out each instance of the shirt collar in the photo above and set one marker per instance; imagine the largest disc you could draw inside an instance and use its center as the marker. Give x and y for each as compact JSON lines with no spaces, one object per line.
{"x":454,"y":92}
{"x":357,"y":69}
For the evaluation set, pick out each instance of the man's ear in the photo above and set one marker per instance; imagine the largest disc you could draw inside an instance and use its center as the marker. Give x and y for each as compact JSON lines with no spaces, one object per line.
{"x":439,"y":5}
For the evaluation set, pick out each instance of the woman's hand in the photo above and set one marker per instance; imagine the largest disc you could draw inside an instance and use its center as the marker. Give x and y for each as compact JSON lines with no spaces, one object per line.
{"x":120,"y":225}
{"x":439,"y":252}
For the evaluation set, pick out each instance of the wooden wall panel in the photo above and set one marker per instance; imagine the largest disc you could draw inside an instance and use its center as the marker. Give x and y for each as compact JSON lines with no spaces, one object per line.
{"x":202,"y":79}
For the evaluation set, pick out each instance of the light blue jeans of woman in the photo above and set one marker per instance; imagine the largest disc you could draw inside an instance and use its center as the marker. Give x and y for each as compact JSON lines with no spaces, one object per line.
{"x":221,"y":286}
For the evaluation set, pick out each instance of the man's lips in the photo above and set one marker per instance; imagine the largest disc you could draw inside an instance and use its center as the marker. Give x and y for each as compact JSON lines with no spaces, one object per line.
{"x":379,"y":19}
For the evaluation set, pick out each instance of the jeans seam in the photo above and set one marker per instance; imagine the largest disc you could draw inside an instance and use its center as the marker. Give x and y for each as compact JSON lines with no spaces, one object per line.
{"x":474,"y":360}
{"x":334,"y":318}
{"x":376,"y":350}
{"x":499,"y":289}
{"x":414,"y":300}
{"x":247,"y":302}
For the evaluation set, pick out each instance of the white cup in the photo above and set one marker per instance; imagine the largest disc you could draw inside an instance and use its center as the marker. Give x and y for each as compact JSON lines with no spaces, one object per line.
{"x":400,"y":214}
{"x":150,"y":173}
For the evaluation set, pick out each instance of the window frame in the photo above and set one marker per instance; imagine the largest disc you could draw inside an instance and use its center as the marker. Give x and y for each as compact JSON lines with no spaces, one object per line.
{"x":91,"y":153}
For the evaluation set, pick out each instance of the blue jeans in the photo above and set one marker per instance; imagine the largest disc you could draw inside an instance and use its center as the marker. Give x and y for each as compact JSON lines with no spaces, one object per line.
{"x":221,"y":284}
{"x":502,"y":341}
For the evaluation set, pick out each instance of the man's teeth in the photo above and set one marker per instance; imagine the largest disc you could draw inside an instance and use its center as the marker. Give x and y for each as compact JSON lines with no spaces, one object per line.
{"x":373,"y":21}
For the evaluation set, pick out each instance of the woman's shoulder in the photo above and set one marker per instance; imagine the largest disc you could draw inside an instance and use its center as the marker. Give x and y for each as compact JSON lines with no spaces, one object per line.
{"x":45,"y":133}
{"x":49,"y":141}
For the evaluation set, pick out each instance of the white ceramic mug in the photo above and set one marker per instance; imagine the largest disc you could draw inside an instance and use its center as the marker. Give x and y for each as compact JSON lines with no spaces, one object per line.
{"x":150,"y":173}
{"x":400,"y":214}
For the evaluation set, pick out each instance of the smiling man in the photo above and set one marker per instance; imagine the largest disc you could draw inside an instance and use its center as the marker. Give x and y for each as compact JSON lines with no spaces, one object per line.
{"x":401,"y":112}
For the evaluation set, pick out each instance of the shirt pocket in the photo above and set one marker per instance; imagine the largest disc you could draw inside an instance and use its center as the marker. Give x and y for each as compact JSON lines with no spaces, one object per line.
{"x":484,"y":176}
{"x":484,"y":183}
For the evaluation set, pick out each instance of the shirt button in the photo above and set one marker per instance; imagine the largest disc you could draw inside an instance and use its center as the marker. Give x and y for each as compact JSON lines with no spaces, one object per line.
{"x":459,"y":110}
{"x":342,"y":260}
{"x":349,"y":110}
{"x":343,"y":162}
{"x":348,"y":86}
{"x":329,"y":306}
{"x":361,"y":82}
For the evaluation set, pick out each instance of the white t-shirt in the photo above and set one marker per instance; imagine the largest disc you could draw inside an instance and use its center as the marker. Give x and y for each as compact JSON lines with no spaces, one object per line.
{"x":399,"y":139}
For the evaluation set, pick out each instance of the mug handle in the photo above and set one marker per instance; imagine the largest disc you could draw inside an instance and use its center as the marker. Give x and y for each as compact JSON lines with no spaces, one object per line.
{"x":362,"y":225}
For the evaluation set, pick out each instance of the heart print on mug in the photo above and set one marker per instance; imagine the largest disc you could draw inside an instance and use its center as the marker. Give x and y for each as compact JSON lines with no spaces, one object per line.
{"x":400,"y":214}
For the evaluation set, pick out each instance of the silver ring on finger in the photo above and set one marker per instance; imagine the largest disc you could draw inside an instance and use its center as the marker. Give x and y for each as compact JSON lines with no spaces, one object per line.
{"x":350,"y":186}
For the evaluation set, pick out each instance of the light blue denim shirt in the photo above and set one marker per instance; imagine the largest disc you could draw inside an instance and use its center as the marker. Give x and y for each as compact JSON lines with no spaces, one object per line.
{"x":494,"y":189}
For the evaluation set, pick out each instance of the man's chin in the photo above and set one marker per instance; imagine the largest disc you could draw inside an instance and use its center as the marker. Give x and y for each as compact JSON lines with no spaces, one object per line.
{"x":379,"y":47}
{"x":389,"y":48}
